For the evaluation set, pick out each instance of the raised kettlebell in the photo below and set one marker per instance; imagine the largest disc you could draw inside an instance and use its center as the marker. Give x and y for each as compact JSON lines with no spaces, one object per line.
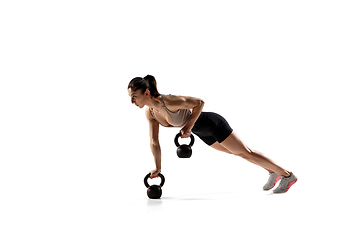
{"x":154,"y":191}
{"x":184,"y":151}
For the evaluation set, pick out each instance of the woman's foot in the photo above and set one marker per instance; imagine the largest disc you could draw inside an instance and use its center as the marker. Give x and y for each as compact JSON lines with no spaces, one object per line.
{"x":286,"y":183}
{"x":273,"y":179}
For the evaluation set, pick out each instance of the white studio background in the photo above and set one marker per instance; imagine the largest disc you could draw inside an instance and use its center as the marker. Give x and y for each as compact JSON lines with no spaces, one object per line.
{"x":74,"y":150}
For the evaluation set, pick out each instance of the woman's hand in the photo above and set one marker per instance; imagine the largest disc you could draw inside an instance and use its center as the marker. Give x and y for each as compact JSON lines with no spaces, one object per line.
{"x":154,"y":173}
{"x":185,"y":131}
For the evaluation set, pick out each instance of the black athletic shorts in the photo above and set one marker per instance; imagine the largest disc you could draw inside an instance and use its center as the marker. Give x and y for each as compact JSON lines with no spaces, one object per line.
{"x":211,"y":127}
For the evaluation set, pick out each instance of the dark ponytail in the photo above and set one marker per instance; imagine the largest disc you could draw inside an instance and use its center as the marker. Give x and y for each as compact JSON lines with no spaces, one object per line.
{"x":152,"y":85}
{"x":148,"y":82}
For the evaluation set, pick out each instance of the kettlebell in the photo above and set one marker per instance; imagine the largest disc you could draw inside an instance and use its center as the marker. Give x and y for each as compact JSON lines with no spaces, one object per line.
{"x":184,"y":151}
{"x":154,"y":191}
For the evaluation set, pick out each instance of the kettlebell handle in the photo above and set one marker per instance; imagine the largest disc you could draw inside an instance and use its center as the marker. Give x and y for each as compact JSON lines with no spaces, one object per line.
{"x":176,"y":140}
{"x":147,"y":177}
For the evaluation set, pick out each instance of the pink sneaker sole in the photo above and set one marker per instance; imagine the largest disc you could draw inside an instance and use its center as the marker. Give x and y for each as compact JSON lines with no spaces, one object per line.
{"x":290,"y":184}
{"x":286,"y":183}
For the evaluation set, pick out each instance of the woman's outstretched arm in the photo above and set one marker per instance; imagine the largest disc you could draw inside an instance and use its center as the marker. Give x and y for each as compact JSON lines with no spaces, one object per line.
{"x":154,"y":143}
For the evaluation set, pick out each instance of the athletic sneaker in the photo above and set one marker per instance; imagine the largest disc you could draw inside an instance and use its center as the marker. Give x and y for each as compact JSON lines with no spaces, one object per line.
{"x":273,"y":179}
{"x":286,"y":183}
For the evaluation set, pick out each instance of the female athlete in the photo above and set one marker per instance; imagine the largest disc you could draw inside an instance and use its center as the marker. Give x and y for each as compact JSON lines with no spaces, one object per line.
{"x":186,"y":113}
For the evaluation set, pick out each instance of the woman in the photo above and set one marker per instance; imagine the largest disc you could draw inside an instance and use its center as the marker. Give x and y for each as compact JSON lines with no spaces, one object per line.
{"x":186,"y":113}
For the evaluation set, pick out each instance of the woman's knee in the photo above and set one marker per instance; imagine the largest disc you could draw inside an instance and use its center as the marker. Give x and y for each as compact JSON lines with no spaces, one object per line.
{"x":247,"y":154}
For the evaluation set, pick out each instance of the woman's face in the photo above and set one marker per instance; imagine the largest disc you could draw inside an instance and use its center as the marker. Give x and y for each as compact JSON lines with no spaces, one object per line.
{"x":137,"y":98}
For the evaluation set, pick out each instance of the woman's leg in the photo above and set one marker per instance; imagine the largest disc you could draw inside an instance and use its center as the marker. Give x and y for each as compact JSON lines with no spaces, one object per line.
{"x":234,"y":145}
{"x":219,"y":147}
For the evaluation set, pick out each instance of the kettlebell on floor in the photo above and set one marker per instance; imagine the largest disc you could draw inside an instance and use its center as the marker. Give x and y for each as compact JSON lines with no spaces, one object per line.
{"x":184,"y":151}
{"x":154,"y":191}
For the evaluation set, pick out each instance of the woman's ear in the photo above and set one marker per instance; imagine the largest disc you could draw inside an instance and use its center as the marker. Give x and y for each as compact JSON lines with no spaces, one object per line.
{"x":147,"y":92}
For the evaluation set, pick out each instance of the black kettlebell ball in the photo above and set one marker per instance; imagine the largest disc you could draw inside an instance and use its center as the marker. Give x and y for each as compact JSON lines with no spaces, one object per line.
{"x":154,"y":191}
{"x":184,"y":151}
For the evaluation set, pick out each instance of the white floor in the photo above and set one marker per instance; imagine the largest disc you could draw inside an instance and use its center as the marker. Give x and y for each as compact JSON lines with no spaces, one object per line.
{"x":98,"y":202}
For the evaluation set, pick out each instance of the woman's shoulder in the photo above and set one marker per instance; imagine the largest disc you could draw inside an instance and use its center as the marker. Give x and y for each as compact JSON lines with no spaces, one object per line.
{"x":148,"y":114}
{"x":171,"y":99}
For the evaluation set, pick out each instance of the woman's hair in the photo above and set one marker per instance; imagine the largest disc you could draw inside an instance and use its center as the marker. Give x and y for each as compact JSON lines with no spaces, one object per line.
{"x":148,"y":82}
